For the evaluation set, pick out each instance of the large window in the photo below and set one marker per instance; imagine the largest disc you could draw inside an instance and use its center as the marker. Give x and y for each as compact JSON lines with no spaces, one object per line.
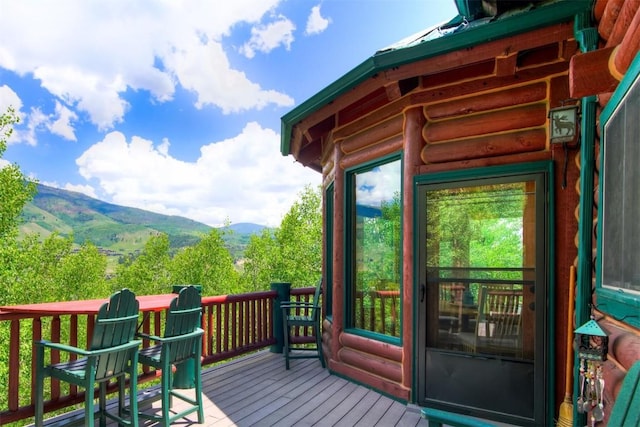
{"x":374,"y":247}
{"x":619,"y":266}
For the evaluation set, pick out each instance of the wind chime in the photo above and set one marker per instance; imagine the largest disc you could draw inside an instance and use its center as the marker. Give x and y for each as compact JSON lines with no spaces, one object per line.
{"x":592,"y":345}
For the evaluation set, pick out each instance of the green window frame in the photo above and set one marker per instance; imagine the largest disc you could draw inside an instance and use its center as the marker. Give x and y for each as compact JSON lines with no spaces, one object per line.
{"x":328,"y":259}
{"x":618,"y":266}
{"x":373,"y":249}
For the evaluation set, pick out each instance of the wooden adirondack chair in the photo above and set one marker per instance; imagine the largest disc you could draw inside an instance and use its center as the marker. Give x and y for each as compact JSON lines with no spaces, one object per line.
{"x":181,"y":345}
{"x":299,"y":314}
{"x":112,"y":354}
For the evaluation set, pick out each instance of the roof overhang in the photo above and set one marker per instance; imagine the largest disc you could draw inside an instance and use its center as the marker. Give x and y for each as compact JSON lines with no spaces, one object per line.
{"x":543,"y":15}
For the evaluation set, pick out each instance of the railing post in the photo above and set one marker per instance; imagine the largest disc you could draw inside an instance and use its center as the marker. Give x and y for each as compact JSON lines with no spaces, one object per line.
{"x":283,"y":289}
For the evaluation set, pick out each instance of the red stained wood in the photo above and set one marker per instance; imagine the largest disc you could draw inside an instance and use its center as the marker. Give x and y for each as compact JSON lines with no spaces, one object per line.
{"x":14,"y":365}
{"x":372,"y":152}
{"x":487,"y":101}
{"x":471,"y":87}
{"x":381,"y":131}
{"x":373,"y":364}
{"x":363,"y":106}
{"x":630,"y":45}
{"x":598,"y":9}
{"x":609,"y":16}
{"x":485,"y":162}
{"x":589,"y":73}
{"x":363,"y":377}
{"x":491,"y":122}
{"x":485,"y":68}
{"x":486,"y":146}
{"x":627,"y":12}
{"x":367,"y":345}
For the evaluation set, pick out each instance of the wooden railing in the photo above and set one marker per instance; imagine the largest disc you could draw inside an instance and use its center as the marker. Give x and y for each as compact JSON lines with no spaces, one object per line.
{"x":233,"y":325}
{"x":381,"y":313}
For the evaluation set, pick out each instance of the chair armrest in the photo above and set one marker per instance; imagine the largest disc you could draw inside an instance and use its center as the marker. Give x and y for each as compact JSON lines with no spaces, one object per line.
{"x":164,"y":340}
{"x":87,"y":353}
{"x":148,"y":336}
{"x":298,"y":304}
{"x":62,"y":347}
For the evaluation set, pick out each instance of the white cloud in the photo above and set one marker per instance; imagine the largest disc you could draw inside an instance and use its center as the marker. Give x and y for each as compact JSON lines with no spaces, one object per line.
{"x":243,"y":179}
{"x":61,"y":122}
{"x":84,"y":189}
{"x":265,"y":38}
{"x":8,"y":98}
{"x":316,"y":23}
{"x":88,"y":54}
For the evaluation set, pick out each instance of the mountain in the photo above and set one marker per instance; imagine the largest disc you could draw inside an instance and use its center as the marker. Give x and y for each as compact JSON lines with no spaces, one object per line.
{"x":118,"y":229}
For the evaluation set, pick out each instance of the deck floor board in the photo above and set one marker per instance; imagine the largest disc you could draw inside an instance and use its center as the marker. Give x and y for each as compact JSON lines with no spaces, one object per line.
{"x":257,"y":390}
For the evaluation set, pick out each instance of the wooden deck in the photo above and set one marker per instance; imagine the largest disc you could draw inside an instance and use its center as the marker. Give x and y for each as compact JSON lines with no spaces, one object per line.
{"x":256,"y":390}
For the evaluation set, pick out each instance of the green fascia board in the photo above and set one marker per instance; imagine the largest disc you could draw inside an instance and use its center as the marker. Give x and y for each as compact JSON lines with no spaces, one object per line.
{"x":550,"y":14}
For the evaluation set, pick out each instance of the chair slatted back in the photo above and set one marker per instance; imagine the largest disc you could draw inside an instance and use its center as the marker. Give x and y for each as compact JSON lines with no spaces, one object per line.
{"x":500,"y":320}
{"x":115,"y":324}
{"x":183,"y":317}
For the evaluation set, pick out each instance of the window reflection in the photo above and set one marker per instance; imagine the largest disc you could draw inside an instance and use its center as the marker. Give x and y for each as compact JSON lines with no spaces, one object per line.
{"x":376,"y":249}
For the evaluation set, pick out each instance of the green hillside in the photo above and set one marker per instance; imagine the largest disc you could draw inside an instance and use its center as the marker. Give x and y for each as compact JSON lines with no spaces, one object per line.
{"x":118,"y":230}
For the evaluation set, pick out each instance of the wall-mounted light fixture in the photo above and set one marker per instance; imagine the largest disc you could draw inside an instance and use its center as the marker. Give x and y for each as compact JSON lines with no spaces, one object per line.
{"x":563,"y":124}
{"x":564,"y":129}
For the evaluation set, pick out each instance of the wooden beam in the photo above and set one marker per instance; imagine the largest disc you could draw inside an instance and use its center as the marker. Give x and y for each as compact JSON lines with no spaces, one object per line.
{"x":491,"y":122}
{"x":620,"y":27}
{"x":506,"y":64}
{"x":630,"y":45}
{"x":589,"y":73}
{"x":487,"y":101}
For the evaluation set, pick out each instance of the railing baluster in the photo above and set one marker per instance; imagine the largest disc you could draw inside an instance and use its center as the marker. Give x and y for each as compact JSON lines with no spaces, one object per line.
{"x":233,"y":324}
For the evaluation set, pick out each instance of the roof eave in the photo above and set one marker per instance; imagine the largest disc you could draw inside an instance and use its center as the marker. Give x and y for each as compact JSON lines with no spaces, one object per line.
{"x":560,"y":11}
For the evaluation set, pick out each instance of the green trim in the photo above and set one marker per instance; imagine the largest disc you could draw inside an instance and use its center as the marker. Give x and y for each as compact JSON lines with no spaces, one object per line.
{"x":349,"y":247}
{"x":587,"y":37}
{"x":623,"y":306}
{"x":329,"y":193}
{"x":550,"y":14}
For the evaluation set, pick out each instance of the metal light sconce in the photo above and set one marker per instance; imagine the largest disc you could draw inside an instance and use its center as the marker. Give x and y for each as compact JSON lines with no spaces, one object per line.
{"x":563,"y":124}
{"x":564,"y":129}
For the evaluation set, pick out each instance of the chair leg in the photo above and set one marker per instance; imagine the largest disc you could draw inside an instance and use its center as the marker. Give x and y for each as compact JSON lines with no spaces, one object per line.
{"x":318,"y":333}
{"x":102,"y":403}
{"x":198,"y":390}
{"x":88,"y":404}
{"x":133,"y":393}
{"x":39,"y":391}
{"x":166,"y":394}
{"x":286,"y":345}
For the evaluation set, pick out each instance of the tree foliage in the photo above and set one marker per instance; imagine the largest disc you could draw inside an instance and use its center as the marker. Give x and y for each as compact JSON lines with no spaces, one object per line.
{"x":15,"y":189}
{"x":293,"y":252}
{"x":208,"y":263}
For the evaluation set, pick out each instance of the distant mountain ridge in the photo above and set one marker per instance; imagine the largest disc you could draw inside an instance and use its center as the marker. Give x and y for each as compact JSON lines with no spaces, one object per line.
{"x":117,"y":228}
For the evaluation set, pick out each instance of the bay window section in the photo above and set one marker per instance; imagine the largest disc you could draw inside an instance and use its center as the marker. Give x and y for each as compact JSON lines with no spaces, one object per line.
{"x":374,"y":231}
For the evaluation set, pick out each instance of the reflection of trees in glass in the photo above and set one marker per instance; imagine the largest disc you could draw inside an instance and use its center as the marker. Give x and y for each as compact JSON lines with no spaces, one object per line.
{"x":377,"y":249}
{"x":478,"y":227}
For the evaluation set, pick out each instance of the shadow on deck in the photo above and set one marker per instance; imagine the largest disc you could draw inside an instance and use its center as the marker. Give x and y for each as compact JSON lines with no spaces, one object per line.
{"x":256,"y":390}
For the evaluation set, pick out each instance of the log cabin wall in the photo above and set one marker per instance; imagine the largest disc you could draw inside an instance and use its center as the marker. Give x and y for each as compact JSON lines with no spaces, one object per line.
{"x":598,"y":73}
{"x":479,"y":107}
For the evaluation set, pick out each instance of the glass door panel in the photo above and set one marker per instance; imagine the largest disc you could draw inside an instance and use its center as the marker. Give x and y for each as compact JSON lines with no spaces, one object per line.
{"x":483,"y":257}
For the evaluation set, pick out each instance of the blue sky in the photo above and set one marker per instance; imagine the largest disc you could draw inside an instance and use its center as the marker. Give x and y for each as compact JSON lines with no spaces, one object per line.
{"x":174,"y":106}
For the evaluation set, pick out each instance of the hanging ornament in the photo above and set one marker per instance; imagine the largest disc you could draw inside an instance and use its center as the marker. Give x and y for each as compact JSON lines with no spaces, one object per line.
{"x":592,"y":345}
